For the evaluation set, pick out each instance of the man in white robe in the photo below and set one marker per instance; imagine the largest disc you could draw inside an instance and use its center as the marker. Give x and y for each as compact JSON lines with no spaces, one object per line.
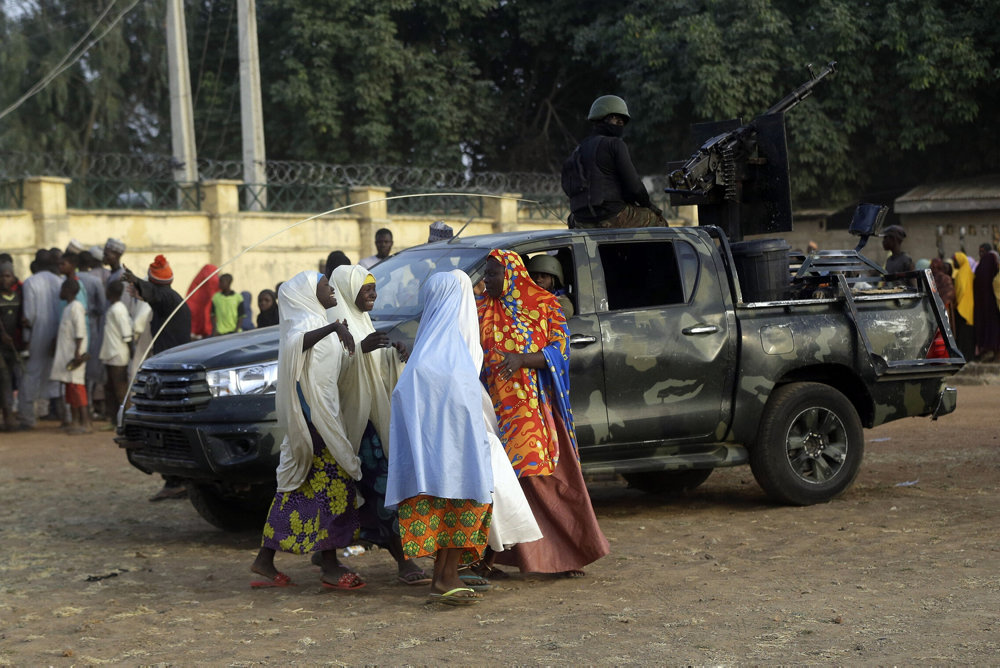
{"x":40,"y":294}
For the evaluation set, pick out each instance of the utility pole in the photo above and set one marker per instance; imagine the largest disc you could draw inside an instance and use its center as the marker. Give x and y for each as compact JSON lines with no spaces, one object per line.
{"x":181,"y":113}
{"x":251,"y":110}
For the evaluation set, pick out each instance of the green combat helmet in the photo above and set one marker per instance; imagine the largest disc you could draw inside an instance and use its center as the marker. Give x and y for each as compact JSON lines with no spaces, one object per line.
{"x":608,"y":104}
{"x":546,"y":264}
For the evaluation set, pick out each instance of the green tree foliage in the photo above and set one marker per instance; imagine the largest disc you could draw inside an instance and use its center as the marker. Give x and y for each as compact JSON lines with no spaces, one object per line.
{"x":506,"y":84}
{"x":108,"y":100}
{"x":911,"y":102}
{"x":541,"y":86}
{"x":389,"y":82}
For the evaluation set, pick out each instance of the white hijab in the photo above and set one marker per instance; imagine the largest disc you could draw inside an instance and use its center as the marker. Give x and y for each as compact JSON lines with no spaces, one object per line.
{"x":513,"y":521}
{"x":368,"y":382}
{"x":317,"y":371}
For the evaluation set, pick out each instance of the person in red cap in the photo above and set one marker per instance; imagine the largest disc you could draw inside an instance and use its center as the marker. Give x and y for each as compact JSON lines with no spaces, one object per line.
{"x":167,"y":332}
{"x":163,"y":299}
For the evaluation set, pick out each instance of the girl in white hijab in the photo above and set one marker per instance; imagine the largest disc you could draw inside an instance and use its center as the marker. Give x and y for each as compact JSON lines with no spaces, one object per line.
{"x":315,"y":507}
{"x":365,"y":387}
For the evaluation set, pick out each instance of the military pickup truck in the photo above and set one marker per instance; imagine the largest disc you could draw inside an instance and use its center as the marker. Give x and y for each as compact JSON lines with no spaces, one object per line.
{"x":688,"y":353}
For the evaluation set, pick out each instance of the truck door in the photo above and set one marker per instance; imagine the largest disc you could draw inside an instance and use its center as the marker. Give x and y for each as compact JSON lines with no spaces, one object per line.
{"x":586,"y":363}
{"x":668,"y":354}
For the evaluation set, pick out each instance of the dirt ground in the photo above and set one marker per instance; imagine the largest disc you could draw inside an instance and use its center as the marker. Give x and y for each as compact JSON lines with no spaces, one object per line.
{"x":903,"y":568}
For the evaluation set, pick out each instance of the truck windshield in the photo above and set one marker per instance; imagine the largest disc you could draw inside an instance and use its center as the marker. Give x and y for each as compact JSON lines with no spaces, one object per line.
{"x":398,"y":278}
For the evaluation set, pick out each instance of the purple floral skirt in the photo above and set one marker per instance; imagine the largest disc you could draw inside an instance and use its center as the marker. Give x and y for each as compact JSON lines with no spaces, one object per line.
{"x":320,"y":515}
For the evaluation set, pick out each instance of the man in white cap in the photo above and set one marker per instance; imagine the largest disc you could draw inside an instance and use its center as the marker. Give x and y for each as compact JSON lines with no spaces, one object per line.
{"x":74,"y":247}
{"x":439,"y":231}
{"x":98,"y":269}
{"x":112,"y":256}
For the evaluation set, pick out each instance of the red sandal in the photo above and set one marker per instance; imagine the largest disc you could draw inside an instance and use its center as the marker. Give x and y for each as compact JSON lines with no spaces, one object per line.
{"x":279,"y":580}
{"x":349,"y":580}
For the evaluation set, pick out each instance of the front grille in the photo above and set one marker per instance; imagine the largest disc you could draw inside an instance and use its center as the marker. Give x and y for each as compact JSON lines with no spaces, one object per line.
{"x":165,"y":443}
{"x":170,"y":391}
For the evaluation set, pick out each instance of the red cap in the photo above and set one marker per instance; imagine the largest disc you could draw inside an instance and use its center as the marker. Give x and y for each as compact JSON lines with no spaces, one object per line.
{"x":160,"y":271}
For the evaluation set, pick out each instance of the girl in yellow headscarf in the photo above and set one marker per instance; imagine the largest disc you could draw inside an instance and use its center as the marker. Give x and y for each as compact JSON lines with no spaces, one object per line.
{"x":965,"y":333}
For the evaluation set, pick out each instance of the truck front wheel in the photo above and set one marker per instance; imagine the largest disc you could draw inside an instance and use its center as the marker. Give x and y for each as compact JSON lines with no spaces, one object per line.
{"x":809,"y":444}
{"x":229,"y":509}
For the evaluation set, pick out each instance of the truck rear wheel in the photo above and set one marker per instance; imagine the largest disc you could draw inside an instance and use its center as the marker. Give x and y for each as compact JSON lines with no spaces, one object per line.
{"x":231,"y":510}
{"x":809,"y":444}
{"x":667,"y":482}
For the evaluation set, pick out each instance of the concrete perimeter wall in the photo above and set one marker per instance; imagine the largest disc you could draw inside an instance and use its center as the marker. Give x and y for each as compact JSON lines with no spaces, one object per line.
{"x":220,"y":231}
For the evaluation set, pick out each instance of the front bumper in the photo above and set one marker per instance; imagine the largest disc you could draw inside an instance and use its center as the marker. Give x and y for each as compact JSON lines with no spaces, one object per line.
{"x":226,"y":452}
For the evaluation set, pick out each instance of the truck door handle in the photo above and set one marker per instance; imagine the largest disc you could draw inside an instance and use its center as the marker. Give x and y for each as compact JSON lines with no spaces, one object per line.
{"x":695,"y":330}
{"x":582,"y":340}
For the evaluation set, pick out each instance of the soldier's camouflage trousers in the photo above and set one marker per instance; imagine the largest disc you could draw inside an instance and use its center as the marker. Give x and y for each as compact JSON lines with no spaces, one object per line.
{"x":630,"y":216}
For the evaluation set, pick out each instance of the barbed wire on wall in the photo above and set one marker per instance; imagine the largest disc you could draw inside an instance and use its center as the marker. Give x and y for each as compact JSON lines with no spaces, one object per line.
{"x":120,"y":180}
{"x":279,"y":172}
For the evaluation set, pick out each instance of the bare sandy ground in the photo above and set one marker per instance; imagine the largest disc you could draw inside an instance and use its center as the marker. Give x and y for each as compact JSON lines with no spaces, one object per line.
{"x":91,"y":573}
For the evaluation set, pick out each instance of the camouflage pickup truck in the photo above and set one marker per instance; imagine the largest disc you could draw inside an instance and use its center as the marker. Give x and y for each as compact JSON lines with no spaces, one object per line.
{"x":687,"y":353}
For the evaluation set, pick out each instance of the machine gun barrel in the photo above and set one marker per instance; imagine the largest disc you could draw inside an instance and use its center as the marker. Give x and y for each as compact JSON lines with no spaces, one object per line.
{"x":738,"y":177}
{"x":802,"y":92}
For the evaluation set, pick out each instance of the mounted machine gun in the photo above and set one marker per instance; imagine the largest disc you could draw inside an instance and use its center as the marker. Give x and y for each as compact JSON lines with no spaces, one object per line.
{"x":739,"y":176}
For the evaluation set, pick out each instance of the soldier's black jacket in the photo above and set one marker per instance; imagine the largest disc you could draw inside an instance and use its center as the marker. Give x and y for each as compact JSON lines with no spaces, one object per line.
{"x":612,"y":174}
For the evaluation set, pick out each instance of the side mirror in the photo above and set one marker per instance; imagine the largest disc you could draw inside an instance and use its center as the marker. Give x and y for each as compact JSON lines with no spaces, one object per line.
{"x":867,"y":222}
{"x":868,"y":219}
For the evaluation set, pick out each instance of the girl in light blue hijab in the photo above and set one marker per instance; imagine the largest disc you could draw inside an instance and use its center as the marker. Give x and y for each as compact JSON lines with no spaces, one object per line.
{"x":440,"y":471}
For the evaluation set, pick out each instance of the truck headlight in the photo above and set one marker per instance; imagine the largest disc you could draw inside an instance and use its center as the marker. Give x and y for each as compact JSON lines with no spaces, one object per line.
{"x":256,"y":379}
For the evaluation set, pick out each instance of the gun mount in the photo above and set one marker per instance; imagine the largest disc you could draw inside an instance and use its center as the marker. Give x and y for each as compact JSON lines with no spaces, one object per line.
{"x":738,"y":177}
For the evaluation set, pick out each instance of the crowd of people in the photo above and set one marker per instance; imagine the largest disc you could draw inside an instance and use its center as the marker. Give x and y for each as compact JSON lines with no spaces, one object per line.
{"x":969,"y":289}
{"x":74,"y":330}
{"x":462,"y":449}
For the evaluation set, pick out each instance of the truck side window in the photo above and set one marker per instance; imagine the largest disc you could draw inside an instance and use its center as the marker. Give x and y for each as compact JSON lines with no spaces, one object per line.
{"x":564,"y":256}
{"x":687,"y":258}
{"x":648,"y":273}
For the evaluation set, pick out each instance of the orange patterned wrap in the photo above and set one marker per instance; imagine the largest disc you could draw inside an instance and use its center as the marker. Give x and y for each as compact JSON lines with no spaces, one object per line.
{"x":526,"y":319}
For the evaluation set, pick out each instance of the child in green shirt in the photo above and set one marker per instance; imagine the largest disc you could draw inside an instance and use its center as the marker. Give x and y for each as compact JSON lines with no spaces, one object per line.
{"x":227,"y":307}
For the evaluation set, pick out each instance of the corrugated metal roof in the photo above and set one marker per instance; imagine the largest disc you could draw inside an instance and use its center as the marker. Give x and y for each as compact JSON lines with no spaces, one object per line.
{"x":981,"y":193}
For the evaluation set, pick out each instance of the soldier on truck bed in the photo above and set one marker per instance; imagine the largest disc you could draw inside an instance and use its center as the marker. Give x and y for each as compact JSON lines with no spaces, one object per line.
{"x":599,"y":178}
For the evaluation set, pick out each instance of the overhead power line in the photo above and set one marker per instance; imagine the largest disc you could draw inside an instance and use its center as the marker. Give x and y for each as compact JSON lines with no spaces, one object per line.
{"x":63,"y":65}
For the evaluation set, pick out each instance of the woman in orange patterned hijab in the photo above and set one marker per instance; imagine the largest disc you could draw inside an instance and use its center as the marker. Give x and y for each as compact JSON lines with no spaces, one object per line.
{"x":524,"y":336}
{"x":526,"y":371}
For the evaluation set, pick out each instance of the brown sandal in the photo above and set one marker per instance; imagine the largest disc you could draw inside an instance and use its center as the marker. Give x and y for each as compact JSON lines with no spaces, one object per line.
{"x":487,"y":571}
